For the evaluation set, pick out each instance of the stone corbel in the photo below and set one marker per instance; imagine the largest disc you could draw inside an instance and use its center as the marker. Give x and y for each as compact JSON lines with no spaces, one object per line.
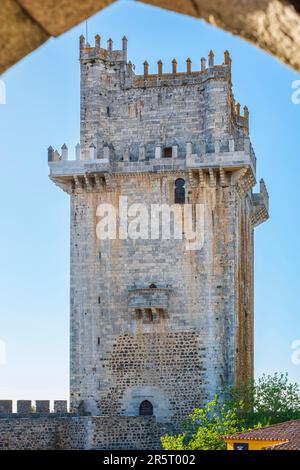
{"x":192,"y":180}
{"x":259,"y":215}
{"x":201,"y":178}
{"x":88,"y":182}
{"x":66,"y":186}
{"x":78,"y":183}
{"x":98,"y":182}
{"x":212,"y":177}
{"x":243,"y":180}
{"x":260,"y":205}
{"x":222,"y":177}
{"x":109,"y":181}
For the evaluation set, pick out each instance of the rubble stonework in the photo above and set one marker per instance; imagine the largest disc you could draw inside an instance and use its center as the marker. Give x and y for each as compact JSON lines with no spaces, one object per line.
{"x":79,"y":432}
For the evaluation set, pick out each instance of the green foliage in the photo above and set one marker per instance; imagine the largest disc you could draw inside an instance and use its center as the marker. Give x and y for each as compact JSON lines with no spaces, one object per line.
{"x":275,"y":394}
{"x":269,"y":400}
{"x":203,"y":430}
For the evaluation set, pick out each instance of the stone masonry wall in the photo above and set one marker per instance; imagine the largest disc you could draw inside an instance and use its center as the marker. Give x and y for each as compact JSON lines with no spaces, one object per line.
{"x":79,"y":432}
{"x":180,"y":360}
{"x":128,"y":113}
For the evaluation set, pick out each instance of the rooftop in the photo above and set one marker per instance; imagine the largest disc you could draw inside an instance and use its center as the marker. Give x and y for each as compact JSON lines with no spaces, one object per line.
{"x":287,"y":432}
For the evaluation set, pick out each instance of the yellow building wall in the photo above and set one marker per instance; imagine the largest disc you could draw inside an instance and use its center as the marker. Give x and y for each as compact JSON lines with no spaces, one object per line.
{"x":252,"y":445}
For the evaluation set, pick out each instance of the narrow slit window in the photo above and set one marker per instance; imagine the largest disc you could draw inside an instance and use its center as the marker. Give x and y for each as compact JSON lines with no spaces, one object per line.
{"x":180,"y":191}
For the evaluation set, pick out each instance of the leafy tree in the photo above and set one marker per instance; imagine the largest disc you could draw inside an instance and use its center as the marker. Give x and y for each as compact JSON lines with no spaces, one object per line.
{"x":275,"y":394}
{"x":269,"y":400}
{"x":203,"y":430}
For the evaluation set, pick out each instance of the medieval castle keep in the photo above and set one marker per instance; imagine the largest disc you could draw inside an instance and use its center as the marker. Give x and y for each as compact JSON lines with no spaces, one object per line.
{"x":156,"y":328}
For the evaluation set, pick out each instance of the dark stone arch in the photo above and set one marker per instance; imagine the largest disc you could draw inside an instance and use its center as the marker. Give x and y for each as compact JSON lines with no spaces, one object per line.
{"x":146,"y":408}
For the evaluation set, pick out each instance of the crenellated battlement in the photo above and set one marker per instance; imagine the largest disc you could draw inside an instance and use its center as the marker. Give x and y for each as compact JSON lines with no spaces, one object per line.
{"x":264,"y":192}
{"x":35,"y":407}
{"x":204,"y":66}
{"x":217,"y":163}
{"x":55,"y":156}
{"x":204,"y":152}
{"x":108,"y":54}
{"x":207,"y":69}
{"x":119,"y":106}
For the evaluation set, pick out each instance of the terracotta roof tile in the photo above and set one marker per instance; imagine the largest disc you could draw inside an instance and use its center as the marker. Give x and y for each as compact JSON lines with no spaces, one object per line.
{"x":288,"y":431}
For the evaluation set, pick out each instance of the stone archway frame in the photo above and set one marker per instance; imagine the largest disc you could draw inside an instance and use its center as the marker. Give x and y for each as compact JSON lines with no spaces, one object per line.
{"x":134,"y":396}
{"x":273,"y":25}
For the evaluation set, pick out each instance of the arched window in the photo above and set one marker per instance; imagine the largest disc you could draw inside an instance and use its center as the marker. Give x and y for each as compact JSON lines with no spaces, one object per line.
{"x":179,"y":191}
{"x":146,"y":408}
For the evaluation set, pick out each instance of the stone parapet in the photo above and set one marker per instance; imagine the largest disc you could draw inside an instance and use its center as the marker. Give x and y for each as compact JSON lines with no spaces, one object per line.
{"x":97,"y":174}
{"x":6,"y":406}
{"x":42,"y":406}
{"x":29,"y":408}
{"x":60,"y":406}
{"x":24,"y":406}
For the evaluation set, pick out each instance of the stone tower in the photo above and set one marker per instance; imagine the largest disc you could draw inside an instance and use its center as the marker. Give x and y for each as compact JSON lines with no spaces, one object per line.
{"x":159,"y":326}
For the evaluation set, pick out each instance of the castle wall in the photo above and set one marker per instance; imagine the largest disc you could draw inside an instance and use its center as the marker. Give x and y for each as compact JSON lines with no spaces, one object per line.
{"x":79,"y":433}
{"x":28,"y":433}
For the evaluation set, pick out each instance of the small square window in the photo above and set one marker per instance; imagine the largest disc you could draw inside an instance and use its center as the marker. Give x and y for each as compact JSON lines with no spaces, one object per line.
{"x":168,"y":152}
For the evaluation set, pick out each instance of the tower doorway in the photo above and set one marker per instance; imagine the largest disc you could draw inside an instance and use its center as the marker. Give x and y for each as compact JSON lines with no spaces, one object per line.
{"x":146,"y":408}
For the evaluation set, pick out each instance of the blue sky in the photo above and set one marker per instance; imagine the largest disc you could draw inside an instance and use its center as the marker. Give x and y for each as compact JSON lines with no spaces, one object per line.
{"x":43,"y":108}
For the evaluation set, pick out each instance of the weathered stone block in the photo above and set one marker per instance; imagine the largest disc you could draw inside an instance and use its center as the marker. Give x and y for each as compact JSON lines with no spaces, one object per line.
{"x":6,"y":406}
{"x":60,"y":406}
{"x":24,"y":406}
{"x":42,"y":406}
